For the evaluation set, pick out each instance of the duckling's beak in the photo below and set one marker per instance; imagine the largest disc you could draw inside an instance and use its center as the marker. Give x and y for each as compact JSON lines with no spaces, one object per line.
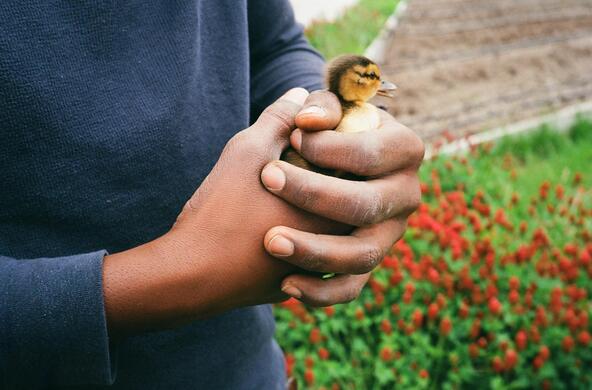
{"x":386,"y":89}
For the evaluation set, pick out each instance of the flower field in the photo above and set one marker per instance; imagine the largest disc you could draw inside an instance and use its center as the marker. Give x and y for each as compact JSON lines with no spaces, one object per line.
{"x":490,"y":287}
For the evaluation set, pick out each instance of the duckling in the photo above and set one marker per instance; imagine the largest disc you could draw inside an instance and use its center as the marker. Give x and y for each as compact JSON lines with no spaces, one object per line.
{"x":354,"y":80}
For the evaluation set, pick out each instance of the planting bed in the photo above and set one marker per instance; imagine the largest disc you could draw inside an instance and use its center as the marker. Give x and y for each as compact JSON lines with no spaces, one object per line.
{"x":489,"y":289}
{"x":469,"y":65}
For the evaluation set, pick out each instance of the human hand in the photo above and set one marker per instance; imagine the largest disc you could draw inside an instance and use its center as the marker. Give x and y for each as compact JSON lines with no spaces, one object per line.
{"x":213,"y":260}
{"x":389,"y":156}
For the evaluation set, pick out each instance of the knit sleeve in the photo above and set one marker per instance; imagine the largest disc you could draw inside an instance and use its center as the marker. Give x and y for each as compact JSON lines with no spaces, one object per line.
{"x":53,"y":328}
{"x":280,"y":56}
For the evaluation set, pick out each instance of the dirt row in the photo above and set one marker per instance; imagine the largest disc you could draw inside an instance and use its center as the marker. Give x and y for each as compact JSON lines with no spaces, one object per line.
{"x":469,"y":65}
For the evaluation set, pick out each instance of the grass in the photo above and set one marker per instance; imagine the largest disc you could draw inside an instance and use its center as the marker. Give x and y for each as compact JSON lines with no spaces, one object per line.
{"x":535,"y":157}
{"x":354,"y":31}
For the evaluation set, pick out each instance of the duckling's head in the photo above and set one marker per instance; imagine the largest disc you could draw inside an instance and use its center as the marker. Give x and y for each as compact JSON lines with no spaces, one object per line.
{"x":355,"y":79}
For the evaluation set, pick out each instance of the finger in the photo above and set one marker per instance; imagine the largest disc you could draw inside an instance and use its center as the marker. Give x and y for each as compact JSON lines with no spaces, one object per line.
{"x":321,"y":111}
{"x":355,"y":203}
{"x":315,"y":291}
{"x":357,"y":253}
{"x":391,"y":147}
{"x":276,"y":122}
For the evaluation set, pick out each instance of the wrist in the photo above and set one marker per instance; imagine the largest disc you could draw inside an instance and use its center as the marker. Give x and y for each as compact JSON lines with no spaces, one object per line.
{"x":155,"y":286}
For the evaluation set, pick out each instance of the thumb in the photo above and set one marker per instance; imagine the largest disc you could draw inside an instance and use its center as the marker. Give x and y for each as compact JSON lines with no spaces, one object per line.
{"x":321,"y":111}
{"x":278,"y":120}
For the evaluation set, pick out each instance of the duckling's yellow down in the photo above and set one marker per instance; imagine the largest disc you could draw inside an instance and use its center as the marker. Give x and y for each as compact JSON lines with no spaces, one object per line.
{"x":354,"y":80}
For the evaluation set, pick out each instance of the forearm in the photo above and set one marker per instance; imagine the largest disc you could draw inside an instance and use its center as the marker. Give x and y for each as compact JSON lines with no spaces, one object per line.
{"x":61,"y":318}
{"x":157,"y":285}
{"x":137,"y":289}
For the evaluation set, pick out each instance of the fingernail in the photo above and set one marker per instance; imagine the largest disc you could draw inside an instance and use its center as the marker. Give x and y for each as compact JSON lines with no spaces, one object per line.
{"x":296,"y":139}
{"x":296,"y":95}
{"x":280,"y":246}
{"x":314,"y":110}
{"x":273,"y":178}
{"x":292,"y":291}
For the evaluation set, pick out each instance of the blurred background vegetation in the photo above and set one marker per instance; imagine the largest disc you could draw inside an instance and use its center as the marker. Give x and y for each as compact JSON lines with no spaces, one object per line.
{"x":506,"y":306}
{"x":354,"y":31}
{"x":513,"y":191}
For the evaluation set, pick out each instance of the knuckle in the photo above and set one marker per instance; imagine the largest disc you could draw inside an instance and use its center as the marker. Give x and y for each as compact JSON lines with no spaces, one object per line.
{"x":309,"y":200}
{"x":236,"y":140}
{"x":324,"y":98}
{"x":369,"y":259}
{"x":308,"y":197}
{"x":413,"y":197}
{"x":415,"y":200}
{"x":240,"y":140}
{"x":417,"y":148}
{"x":368,"y":209}
{"x":313,"y":262}
{"x":245,"y":142}
{"x":279,"y":116}
{"x":352,"y":293}
{"x":372,"y":156}
{"x":310,"y":148}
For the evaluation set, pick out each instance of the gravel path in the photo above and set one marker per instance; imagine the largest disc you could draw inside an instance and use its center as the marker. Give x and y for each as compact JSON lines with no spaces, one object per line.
{"x":464,"y":66}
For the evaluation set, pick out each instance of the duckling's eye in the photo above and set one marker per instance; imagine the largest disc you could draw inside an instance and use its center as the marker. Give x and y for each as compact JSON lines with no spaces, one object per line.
{"x":369,"y":75}
{"x":373,"y":76}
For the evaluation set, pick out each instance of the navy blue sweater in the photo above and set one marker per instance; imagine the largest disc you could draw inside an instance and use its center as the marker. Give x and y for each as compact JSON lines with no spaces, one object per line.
{"x":111,"y":115}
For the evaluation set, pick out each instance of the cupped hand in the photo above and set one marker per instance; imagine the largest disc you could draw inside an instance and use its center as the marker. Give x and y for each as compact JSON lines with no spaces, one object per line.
{"x":231,"y":211}
{"x":389,"y":157}
{"x":213,"y":259}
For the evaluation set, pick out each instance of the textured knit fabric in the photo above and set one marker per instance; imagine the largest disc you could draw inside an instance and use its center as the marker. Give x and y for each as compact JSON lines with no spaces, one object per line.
{"x":111,"y":114}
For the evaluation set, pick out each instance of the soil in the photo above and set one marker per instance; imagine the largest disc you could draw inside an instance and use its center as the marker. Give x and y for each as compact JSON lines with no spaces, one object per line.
{"x":463,"y":66}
